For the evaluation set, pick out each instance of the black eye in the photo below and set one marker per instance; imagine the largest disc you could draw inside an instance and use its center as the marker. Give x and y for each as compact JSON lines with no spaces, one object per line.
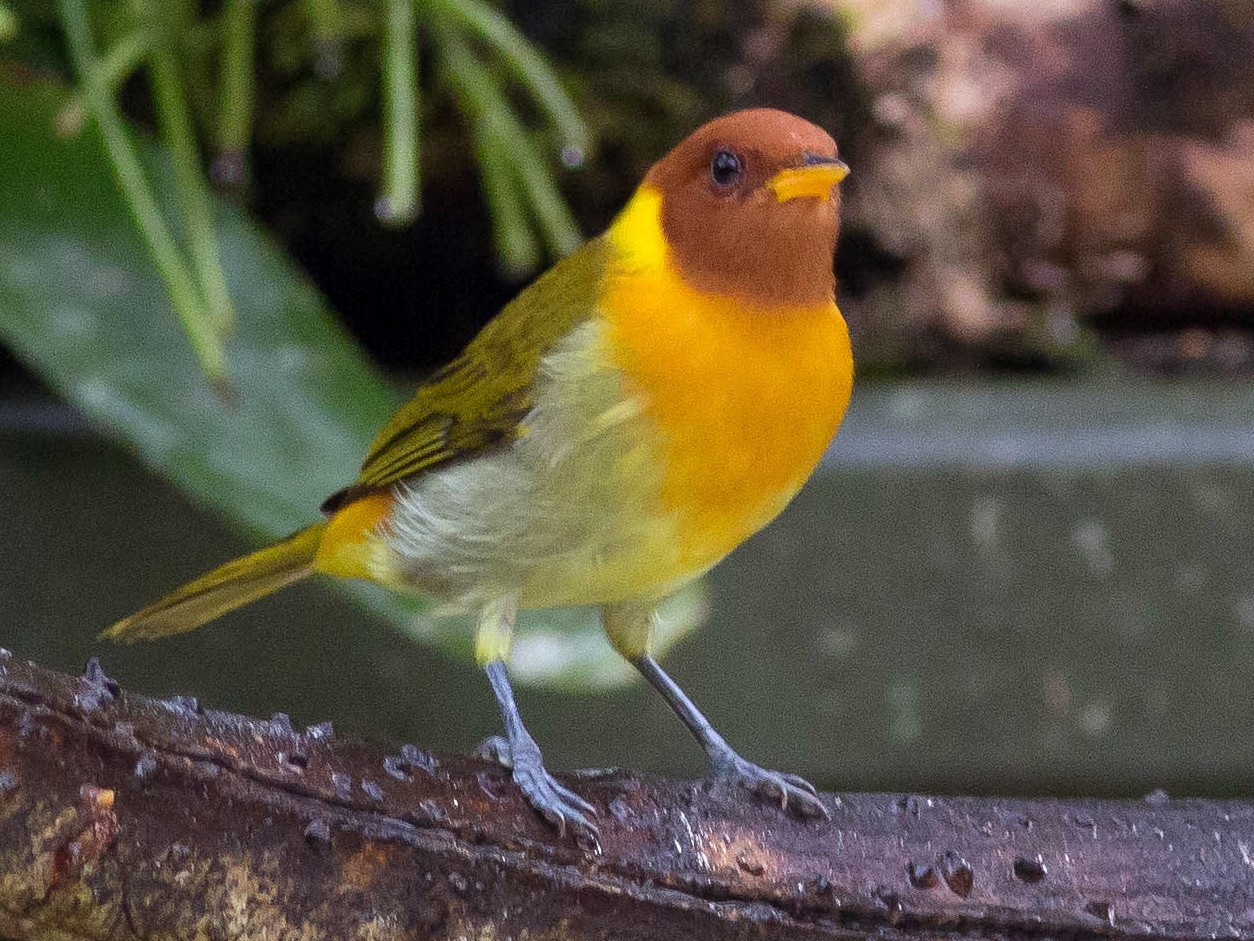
{"x":725,"y":168}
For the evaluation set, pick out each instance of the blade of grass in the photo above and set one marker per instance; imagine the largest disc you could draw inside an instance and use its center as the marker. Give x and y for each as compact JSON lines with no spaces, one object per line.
{"x":183,"y":291}
{"x":515,"y":243}
{"x":534,"y":174}
{"x":179,"y":135}
{"x":326,"y":25}
{"x":478,"y":99}
{"x":112,"y":69}
{"x":527,"y":64}
{"x":398,"y":204}
{"x":326,"y":20}
{"x":526,"y":163}
{"x":235,"y":102}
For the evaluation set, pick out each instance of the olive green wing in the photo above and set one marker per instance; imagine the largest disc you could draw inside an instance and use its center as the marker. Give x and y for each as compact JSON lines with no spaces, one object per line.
{"x":479,"y":400}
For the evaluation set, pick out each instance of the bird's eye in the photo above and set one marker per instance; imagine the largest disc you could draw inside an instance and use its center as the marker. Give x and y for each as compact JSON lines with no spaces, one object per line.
{"x":725,"y":168}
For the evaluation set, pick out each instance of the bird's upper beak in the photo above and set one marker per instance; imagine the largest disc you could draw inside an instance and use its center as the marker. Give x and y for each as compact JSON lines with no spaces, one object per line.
{"x":815,"y":179}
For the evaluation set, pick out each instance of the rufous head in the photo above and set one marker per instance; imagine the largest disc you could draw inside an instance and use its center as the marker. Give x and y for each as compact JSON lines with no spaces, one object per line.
{"x":750,"y":207}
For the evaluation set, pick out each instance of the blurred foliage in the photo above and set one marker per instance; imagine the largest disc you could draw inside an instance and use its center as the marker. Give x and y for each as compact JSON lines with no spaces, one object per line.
{"x":391,"y":88}
{"x":8,"y":23}
{"x":81,"y":305}
{"x":303,"y":130}
{"x":649,"y":71}
{"x":326,"y":61}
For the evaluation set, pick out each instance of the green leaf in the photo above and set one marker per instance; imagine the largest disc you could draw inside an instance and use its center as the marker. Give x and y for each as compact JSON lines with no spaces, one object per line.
{"x":184,"y":292}
{"x":82,"y":304}
{"x":8,"y":23}
{"x":399,"y":203}
{"x":179,"y":136}
{"x":236,"y":90}
{"x":486,"y":109}
{"x":526,"y":62}
{"x":516,"y":174}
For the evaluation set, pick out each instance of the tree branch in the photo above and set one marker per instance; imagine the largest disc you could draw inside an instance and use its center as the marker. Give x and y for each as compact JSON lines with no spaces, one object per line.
{"x":123,"y":817}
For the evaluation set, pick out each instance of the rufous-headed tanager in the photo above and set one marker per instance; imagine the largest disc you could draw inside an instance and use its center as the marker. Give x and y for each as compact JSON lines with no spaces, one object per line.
{"x":621,"y":426}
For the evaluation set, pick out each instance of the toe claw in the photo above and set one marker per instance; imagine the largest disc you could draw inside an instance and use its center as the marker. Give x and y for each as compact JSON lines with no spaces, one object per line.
{"x":794,"y":793}
{"x":798,"y":781}
{"x":572,"y":798}
{"x":561,"y":813}
{"x":561,"y":807}
{"x":810,"y":805}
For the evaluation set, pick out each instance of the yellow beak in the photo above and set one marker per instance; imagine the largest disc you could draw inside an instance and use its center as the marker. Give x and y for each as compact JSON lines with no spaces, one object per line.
{"x":816,"y":180}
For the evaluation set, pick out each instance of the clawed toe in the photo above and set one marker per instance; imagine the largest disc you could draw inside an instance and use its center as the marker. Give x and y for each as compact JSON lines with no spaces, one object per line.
{"x":794,"y":793}
{"x":559,"y":805}
{"x":572,"y":798}
{"x":797,"y":781}
{"x":556,"y":804}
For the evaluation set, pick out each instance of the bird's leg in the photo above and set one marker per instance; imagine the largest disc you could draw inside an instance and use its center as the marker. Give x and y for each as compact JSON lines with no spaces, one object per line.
{"x":629,"y":629}
{"x":518,"y":751}
{"x":793,"y":792}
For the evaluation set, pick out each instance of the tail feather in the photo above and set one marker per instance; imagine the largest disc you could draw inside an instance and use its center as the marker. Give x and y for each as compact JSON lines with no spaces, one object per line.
{"x":224,"y":589}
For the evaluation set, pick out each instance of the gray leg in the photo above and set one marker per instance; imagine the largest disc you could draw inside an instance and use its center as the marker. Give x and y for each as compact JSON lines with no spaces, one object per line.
{"x":518,"y":751}
{"x":792,"y":792}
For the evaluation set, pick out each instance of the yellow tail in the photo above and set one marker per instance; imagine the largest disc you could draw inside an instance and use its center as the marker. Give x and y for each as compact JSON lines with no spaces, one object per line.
{"x":224,"y":589}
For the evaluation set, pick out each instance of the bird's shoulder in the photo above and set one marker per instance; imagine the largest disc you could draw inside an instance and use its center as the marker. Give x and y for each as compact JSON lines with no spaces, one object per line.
{"x":479,"y":400}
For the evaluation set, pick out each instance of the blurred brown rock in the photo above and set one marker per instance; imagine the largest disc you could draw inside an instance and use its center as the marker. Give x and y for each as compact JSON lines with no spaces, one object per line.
{"x":1030,"y":168}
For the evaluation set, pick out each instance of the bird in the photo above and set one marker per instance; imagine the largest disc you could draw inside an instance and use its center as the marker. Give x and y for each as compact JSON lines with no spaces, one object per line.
{"x":631,"y":417}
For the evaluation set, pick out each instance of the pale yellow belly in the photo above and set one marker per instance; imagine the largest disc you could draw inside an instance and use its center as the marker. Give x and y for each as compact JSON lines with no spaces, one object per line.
{"x":571,"y":513}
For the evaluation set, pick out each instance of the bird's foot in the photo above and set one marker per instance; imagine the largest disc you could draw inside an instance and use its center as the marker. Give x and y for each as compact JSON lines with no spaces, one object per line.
{"x":794,"y":794}
{"x":560,"y":806}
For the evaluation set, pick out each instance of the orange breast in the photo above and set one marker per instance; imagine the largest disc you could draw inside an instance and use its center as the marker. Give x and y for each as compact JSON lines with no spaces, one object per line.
{"x":745,"y":398}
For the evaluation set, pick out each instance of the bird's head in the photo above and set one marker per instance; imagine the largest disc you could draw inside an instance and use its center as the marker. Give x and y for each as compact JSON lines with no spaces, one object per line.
{"x":749,"y":207}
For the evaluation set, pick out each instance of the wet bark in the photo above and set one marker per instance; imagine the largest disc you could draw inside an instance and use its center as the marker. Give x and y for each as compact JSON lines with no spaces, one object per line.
{"x":123,"y":817}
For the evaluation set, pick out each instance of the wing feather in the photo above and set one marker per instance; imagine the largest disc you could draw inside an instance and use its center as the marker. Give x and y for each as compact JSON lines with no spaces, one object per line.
{"x":479,"y":400}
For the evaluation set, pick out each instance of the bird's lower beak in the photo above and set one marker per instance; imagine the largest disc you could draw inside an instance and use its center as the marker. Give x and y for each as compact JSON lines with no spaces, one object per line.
{"x":815,"y":180}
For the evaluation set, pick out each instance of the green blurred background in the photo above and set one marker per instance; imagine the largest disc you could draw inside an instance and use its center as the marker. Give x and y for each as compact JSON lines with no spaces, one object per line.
{"x":1027,"y":564}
